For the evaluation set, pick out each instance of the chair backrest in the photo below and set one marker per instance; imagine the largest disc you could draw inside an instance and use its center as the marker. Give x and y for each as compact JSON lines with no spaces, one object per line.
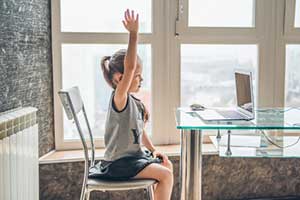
{"x":75,"y":99}
{"x":73,"y":104}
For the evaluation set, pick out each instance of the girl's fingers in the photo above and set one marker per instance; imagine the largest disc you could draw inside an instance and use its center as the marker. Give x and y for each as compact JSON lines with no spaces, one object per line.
{"x":124,"y":23}
{"x":165,"y":159}
{"x":126,"y":15}
{"x":130,"y":17}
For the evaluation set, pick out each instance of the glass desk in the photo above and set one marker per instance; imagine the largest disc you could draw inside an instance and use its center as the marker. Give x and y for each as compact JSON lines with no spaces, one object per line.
{"x":260,"y":144}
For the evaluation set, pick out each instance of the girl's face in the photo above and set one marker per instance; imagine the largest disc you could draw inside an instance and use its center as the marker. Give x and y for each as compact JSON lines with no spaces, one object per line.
{"x":137,"y":79}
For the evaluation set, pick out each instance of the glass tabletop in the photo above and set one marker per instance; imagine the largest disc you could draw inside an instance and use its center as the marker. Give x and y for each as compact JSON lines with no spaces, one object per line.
{"x":265,"y":118}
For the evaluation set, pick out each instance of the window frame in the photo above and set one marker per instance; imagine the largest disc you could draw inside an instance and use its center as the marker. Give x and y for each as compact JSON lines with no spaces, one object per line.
{"x":215,"y":32}
{"x":267,"y":34}
{"x":158,"y":91}
{"x":291,"y":33}
{"x":224,"y":35}
{"x":271,"y":33}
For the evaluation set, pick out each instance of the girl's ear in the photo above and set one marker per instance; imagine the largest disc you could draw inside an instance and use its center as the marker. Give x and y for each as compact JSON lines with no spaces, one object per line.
{"x":117,"y":77}
{"x":120,"y":78}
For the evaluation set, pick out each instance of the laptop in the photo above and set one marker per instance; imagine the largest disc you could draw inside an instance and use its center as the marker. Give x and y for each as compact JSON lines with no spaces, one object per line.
{"x":245,"y":102}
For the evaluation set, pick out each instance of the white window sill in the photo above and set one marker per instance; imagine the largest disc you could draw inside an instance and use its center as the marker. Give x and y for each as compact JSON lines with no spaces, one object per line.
{"x":77,"y":155}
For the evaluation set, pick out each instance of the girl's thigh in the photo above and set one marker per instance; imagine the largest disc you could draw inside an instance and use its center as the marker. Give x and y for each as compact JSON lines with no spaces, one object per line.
{"x":155,"y":171}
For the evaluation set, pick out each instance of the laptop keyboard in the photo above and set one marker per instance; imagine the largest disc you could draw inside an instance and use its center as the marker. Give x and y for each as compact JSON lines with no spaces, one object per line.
{"x":230,"y":114}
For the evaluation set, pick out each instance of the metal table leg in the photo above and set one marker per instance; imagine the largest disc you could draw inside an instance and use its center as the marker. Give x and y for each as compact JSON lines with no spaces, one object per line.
{"x":228,"y":151}
{"x":218,"y":135}
{"x":191,"y":164}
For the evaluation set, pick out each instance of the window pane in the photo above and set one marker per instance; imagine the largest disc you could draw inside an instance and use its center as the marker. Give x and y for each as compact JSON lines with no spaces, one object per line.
{"x":81,"y":67}
{"x":216,"y":13}
{"x":292,"y":76}
{"x":297,"y":17}
{"x":207,"y":72}
{"x":102,"y":15}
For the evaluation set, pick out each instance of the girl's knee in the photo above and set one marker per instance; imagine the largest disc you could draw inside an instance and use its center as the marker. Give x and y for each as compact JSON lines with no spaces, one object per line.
{"x":166,"y":175}
{"x":169,"y":165}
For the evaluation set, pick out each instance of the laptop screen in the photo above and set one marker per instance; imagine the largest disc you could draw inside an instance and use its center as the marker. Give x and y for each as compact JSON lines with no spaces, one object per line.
{"x":244,"y":91}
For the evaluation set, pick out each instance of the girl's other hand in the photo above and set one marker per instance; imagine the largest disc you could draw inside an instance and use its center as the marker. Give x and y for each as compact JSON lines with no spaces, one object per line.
{"x":159,"y":154}
{"x":131,"y":22}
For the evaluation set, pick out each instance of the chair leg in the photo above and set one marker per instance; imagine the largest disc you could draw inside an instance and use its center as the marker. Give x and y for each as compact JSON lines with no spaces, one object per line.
{"x":84,"y":193}
{"x":150,"y":193}
{"x":87,"y":195}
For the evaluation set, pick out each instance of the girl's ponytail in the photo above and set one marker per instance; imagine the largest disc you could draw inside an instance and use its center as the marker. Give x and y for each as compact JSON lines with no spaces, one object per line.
{"x":106,"y":69}
{"x":113,"y":64}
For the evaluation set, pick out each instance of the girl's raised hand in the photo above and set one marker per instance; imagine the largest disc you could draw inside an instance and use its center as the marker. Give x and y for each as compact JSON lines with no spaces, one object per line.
{"x":131,"y":22}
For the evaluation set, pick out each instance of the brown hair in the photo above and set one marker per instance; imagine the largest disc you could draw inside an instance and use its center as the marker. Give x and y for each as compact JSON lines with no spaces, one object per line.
{"x":113,"y":64}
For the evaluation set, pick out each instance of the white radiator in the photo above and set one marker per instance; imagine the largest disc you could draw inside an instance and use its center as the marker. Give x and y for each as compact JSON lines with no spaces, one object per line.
{"x":19,"y":172}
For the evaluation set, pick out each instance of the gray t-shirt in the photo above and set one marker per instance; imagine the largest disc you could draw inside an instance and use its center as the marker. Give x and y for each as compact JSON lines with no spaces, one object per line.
{"x":123,"y":129}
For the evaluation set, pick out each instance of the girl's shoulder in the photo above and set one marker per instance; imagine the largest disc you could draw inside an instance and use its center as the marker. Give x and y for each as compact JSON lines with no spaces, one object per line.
{"x":113,"y":106}
{"x":135,"y":98}
{"x":131,"y":101}
{"x":138,"y":102}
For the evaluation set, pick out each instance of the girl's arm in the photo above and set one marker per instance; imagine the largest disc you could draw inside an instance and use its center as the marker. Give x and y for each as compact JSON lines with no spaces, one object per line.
{"x":148,"y":144}
{"x":131,"y":23}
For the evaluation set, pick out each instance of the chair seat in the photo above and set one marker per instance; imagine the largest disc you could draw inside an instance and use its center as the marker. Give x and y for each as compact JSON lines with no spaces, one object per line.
{"x":107,"y":185}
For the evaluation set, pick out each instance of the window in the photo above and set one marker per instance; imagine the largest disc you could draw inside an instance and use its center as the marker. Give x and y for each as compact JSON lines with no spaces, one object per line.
{"x":83,"y":32}
{"x":207,"y":72}
{"x":215,"y":13}
{"x":291,"y":53}
{"x":81,"y":67}
{"x":292,"y":19}
{"x":297,"y":17}
{"x":101,"y":15}
{"x":292,"y":76}
{"x":218,"y":38}
{"x":189,"y":61}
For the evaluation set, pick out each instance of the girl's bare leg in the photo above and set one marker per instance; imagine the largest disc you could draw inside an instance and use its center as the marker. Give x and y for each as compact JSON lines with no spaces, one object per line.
{"x":163,"y":173}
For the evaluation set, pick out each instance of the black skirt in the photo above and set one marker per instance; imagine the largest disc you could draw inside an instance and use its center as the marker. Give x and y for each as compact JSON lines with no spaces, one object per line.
{"x":122,"y":169}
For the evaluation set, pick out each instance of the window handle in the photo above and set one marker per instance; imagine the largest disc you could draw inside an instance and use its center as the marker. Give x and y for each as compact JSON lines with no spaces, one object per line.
{"x":178,"y":16}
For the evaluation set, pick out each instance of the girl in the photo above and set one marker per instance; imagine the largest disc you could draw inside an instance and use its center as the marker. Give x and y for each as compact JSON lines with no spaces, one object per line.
{"x":124,"y":132}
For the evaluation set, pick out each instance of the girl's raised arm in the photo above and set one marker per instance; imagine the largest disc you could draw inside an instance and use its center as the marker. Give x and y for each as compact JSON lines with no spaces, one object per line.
{"x":131,"y":23}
